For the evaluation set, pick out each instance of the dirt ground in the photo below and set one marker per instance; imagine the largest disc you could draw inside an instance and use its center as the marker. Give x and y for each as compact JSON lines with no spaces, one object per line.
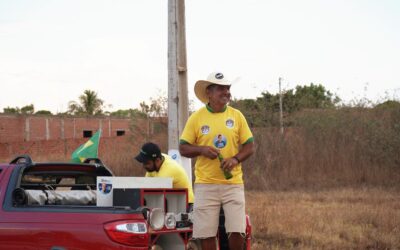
{"x":364,"y":218}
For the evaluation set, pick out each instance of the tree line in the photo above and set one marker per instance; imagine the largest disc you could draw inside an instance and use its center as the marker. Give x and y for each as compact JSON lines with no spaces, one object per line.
{"x":264,"y":111}
{"x":260,"y":111}
{"x":90,"y":104}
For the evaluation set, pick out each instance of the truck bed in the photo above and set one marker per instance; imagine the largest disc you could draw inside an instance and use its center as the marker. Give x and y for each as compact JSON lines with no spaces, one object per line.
{"x":56,"y":226}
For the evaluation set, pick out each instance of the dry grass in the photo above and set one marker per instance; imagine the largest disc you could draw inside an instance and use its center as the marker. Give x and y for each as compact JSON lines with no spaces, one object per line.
{"x":336,"y":219}
{"x":328,"y":149}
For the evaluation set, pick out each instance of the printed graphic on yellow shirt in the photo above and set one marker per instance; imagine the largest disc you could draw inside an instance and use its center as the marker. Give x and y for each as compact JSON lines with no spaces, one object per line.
{"x":229,"y":123}
{"x":205,"y":129}
{"x":220,"y":141}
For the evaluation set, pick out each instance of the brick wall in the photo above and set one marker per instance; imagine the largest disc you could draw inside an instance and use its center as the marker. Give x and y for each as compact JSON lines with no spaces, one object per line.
{"x":17,"y":128}
{"x":49,"y":138}
{"x":12,"y":128}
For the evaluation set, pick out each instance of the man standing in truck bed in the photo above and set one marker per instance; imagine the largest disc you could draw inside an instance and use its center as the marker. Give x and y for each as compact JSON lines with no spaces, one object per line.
{"x":218,"y":135}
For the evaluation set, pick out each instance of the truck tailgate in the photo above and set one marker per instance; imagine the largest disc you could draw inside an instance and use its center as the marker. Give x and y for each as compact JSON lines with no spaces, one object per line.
{"x":58,"y":230}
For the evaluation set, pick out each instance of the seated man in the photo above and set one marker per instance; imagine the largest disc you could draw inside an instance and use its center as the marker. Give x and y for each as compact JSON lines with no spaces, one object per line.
{"x":162,"y":165}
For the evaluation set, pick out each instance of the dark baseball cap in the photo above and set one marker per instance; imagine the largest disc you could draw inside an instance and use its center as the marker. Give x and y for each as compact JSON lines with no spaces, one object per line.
{"x":149,"y":151}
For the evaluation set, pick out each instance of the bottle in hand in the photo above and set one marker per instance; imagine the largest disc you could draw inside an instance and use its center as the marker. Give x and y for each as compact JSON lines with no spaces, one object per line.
{"x":228,"y":175}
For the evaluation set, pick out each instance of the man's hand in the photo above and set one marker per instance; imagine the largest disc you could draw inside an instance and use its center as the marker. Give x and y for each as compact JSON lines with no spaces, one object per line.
{"x":229,"y":164}
{"x":209,"y":152}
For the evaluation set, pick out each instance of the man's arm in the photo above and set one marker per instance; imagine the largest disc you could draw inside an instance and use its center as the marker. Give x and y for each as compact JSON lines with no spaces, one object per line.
{"x":190,"y":151}
{"x":245,"y":152}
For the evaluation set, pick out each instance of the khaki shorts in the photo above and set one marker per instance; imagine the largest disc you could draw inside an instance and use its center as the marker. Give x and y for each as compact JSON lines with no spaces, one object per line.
{"x":209,"y":198}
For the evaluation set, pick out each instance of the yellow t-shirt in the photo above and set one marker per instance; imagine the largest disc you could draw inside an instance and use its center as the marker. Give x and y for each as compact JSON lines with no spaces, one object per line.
{"x":170,"y":168}
{"x":226,"y":131}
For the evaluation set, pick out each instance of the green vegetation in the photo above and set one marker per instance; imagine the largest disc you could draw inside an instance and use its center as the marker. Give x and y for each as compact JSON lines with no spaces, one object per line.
{"x":43,"y":112}
{"x":157,"y":107}
{"x":264,"y":110}
{"x":89,"y":104}
{"x":25,"y":110}
{"x":10,"y":110}
{"x":324,"y":144}
{"x":128,"y":113}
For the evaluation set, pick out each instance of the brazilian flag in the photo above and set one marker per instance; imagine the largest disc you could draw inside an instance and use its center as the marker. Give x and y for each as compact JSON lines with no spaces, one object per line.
{"x":88,"y":150}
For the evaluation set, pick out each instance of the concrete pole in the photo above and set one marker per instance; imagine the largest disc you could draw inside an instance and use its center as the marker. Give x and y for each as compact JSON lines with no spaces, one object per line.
{"x":178,"y":112}
{"x":27,"y":129}
{"x":47,"y":129}
{"x":280,"y":105}
{"x":62,"y":128}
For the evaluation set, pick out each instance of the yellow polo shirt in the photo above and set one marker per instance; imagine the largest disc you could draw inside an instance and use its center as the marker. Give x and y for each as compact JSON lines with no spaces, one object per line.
{"x":225,"y":131}
{"x":171,"y":168}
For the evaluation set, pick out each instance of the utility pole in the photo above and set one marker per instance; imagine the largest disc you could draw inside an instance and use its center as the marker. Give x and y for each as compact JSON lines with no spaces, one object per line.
{"x":280,"y":105}
{"x":178,"y":112}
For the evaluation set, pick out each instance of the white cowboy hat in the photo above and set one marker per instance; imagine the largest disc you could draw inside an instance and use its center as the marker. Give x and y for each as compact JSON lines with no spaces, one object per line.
{"x":201,"y":85}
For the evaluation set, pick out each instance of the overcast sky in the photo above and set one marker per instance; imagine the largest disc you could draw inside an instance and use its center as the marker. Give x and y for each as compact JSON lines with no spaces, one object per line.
{"x":51,"y":51}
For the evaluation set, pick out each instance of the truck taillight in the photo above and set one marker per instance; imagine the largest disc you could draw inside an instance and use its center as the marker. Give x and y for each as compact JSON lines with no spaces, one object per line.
{"x":131,"y":233}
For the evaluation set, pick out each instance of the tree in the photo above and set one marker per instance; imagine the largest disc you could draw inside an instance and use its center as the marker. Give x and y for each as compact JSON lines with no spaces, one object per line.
{"x":28,"y":110}
{"x":158,"y":106}
{"x":10,"y":110}
{"x":25,"y":110}
{"x":43,"y":112}
{"x":89,"y":104}
{"x":264,"y":110}
{"x":389,"y":104}
{"x":144,"y":108}
{"x":128,"y":113}
{"x":252,"y":110}
{"x":315,"y":96}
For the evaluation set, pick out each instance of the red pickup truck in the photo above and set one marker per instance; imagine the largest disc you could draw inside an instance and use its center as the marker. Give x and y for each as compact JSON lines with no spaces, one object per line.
{"x":53,"y":206}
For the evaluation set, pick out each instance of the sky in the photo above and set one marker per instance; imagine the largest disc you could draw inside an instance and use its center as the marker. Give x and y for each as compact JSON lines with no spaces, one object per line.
{"x":51,"y":51}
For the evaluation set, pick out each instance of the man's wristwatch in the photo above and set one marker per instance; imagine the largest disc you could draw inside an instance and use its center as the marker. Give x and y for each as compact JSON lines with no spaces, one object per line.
{"x":235,"y":157}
